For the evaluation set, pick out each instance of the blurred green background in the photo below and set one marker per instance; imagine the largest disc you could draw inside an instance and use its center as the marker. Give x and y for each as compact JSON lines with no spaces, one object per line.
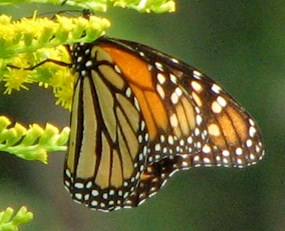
{"x":241,"y":44}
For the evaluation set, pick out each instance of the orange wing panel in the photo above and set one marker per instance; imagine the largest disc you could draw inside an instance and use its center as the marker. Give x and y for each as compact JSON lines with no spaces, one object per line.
{"x":134,"y":68}
{"x":146,"y":112}
{"x":140,"y":80}
{"x":157,"y":109}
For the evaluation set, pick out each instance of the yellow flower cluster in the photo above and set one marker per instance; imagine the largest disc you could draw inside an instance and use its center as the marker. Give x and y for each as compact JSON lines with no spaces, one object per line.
{"x":29,"y":41}
{"x":146,"y":6}
{"x":143,"y":6}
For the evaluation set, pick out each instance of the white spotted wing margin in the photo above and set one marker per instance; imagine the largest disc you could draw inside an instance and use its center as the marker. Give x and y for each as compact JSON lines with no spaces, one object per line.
{"x":107,"y":149}
{"x":153,"y":179}
{"x":233,"y":137}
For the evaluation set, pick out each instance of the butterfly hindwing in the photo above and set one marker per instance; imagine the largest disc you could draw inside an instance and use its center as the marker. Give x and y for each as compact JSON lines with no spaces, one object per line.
{"x":107,"y":146}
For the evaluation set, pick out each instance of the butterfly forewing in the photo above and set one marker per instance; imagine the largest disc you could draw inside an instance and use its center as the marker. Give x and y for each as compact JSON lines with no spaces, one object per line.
{"x":170,"y":113}
{"x":139,"y":116}
{"x":233,"y":137}
{"x":203,"y":119}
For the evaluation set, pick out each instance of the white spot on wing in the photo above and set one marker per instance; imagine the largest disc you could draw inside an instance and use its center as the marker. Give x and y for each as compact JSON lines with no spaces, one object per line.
{"x":159,"y":66}
{"x":178,"y":91}
{"x":117,"y":69}
{"x":196,"y":86}
{"x":221,"y":101}
{"x":170,"y":140}
{"x":173,"y":78}
{"x":216,"y":107}
{"x":249,"y":143}
{"x":174,"y":60}
{"x":161,"y":78}
{"x":197,"y":74}
{"x":88,"y":63}
{"x":215,"y":88}
{"x":128,"y":92}
{"x":239,"y":151}
{"x":199,"y":120}
{"x":226,"y":153}
{"x":206,"y":148}
{"x":252,"y":131}
{"x":174,"y":98}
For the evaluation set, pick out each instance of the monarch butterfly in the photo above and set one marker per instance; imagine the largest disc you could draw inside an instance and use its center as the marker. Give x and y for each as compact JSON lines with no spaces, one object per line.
{"x":139,"y":116}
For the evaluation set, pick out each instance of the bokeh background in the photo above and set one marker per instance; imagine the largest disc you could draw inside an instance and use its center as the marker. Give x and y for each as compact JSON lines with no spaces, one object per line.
{"x":241,"y":44}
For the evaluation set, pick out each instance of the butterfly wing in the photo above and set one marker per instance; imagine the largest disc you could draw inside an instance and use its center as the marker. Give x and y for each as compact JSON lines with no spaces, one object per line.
{"x":233,"y":138}
{"x":108,"y":144}
{"x":151,"y":116}
{"x":203,"y":120}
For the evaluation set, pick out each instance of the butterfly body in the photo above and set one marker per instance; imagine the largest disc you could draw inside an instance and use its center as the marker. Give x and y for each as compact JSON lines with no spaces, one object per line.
{"x":139,"y":116}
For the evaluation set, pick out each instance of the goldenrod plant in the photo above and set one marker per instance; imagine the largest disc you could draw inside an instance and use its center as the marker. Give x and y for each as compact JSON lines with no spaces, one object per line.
{"x":29,"y":41}
{"x":31,"y":143}
{"x":9,"y":221}
{"x":156,"y":6}
{"x":25,"y":43}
